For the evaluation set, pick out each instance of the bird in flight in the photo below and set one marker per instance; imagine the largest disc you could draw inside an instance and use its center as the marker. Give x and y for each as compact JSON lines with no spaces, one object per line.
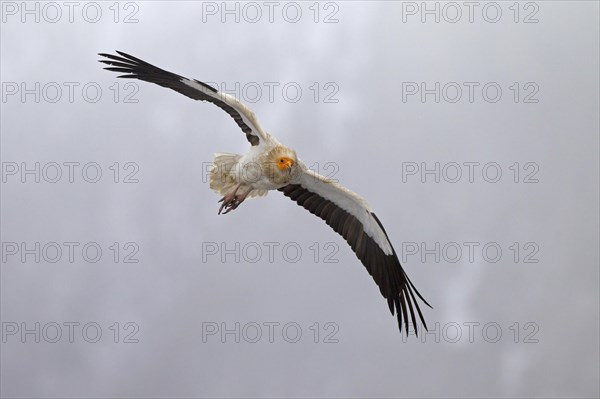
{"x":269,"y":165}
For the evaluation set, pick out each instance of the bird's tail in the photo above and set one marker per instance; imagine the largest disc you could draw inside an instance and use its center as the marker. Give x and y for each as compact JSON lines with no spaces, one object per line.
{"x":223,"y":177}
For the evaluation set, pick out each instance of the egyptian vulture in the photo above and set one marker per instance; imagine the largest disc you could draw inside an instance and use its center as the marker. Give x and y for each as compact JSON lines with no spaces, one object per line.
{"x":269,"y":165}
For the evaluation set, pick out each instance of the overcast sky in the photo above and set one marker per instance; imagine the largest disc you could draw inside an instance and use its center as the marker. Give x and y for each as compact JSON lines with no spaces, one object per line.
{"x":475,"y":138}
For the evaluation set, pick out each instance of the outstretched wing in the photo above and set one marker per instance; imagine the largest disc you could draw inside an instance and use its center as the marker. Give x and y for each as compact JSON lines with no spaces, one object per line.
{"x":134,"y":68}
{"x":350,"y":216}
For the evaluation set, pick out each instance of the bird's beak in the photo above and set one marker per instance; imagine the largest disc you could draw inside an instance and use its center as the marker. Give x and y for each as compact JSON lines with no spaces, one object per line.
{"x":285,"y":164}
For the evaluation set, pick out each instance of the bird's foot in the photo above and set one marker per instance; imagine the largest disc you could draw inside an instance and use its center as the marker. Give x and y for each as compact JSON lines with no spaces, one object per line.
{"x":232,"y":200}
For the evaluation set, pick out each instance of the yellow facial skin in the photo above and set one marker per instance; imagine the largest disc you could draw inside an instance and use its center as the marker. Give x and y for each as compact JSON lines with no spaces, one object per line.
{"x":285,"y":163}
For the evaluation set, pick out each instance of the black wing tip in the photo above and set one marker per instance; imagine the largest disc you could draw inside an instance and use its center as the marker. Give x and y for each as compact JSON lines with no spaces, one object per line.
{"x":125,"y":55}
{"x":404,"y":298}
{"x":109,"y":55}
{"x":412,"y":286}
{"x":404,"y":273}
{"x":118,"y":69}
{"x":131,"y":74}
{"x":122,"y":57}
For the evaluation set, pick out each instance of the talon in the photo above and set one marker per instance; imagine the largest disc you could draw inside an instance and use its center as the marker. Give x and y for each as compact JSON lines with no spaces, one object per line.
{"x":232,"y":200}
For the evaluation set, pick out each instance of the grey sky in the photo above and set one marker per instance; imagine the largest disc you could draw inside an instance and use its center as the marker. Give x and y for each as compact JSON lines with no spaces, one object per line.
{"x":360,"y":118}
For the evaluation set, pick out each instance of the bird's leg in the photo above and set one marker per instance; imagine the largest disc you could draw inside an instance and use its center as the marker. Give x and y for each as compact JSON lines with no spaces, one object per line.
{"x":229,"y":198}
{"x":232,"y":199}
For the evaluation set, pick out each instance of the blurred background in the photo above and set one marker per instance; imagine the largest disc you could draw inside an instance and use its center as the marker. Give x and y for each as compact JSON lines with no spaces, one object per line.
{"x":471,"y":129}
